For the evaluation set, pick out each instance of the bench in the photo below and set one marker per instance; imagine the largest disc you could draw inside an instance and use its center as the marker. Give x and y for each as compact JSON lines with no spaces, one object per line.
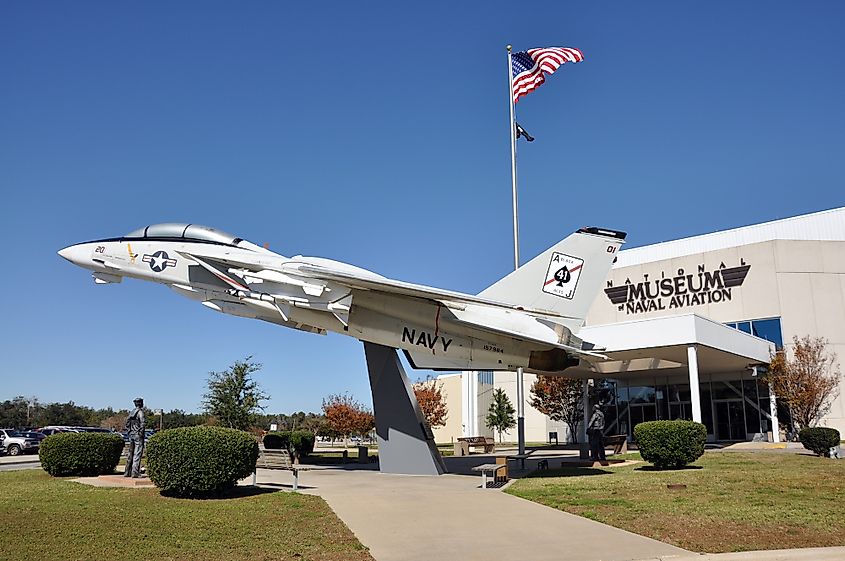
{"x":488,"y":468}
{"x":619,"y":443}
{"x":277,"y":459}
{"x":463,"y":444}
{"x":520,"y":457}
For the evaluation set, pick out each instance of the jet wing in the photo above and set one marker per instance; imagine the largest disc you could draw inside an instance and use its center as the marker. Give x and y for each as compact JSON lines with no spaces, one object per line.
{"x":537,"y":332}
{"x":526,"y":328}
{"x":383,"y":284}
{"x":228,"y":279}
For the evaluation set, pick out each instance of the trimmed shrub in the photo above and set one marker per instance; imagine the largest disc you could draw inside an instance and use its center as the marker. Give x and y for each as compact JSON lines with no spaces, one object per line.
{"x":302,"y":442}
{"x":670,"y":443}
{"x":200,"y":461}
{"x":819,"y":439}
{"x":276,"y":440}
{"x":80,"y":453}
{"x":299,"y":443}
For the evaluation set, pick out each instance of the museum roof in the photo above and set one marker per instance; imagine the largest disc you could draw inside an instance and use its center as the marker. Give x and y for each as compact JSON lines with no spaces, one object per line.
{"x":827,"y":225}
{"x":646,"y":345}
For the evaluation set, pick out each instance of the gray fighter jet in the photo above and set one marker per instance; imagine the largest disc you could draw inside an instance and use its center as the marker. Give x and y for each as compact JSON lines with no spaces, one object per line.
{"x":527,"y":319}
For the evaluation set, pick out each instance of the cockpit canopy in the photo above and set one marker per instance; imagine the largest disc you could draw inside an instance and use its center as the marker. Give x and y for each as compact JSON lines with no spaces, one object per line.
{"x":188,"y":232}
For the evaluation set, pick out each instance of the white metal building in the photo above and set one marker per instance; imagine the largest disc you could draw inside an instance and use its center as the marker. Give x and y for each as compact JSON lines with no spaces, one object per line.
{"x":686,"y":322}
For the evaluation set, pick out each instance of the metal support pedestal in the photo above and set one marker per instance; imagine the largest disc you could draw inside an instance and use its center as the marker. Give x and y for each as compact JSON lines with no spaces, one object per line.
{"x":404,"y":444}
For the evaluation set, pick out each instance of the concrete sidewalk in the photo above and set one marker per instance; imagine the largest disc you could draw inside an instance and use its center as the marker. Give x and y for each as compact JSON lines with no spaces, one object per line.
{"x":806,"y":554}
{"x":21,"y":459}
{"x":419,"y":518}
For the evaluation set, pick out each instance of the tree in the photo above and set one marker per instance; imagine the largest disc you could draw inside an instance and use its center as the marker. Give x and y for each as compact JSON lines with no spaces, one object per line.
{"x":805,"y":381}
{"x":345,"y":416}
{"x":115,"y":422}
{"x":561,"y":399}
{"x":233,"y":397}
{"x":178,"y":418}
{"x":432,"y":402}
{"x":365,"y":422}
{"x":314,"y":423}
{"x":500,"y":415}
{"x":14,"y":413}
{"x":68,"y":414}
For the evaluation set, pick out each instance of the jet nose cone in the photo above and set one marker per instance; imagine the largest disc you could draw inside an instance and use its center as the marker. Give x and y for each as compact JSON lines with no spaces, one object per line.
{"x":73,"y":253}
{"x":66,"y":252}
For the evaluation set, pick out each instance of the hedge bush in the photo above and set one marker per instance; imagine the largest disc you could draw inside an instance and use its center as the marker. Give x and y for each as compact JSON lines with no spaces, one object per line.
{"x":200,"y":461}
{"x":670,"y":443}
{"x":819,"y":439}
{"x":299,"y":443}
{"x":80,"y":453}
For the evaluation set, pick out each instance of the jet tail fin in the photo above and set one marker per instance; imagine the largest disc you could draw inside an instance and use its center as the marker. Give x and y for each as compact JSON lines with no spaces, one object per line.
{"x":565,"y":278}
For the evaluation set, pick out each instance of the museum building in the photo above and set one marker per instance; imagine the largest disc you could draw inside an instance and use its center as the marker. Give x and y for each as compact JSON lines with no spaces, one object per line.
{"x":689,"y":326}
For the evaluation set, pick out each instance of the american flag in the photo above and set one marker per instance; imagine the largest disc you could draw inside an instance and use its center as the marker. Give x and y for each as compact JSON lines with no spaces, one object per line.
{"x":529,"y":67}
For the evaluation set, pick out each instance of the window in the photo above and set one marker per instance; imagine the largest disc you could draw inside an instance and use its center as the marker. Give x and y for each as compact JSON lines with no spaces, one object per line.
{"x":184,"y":231}
{"x":768,"y":329}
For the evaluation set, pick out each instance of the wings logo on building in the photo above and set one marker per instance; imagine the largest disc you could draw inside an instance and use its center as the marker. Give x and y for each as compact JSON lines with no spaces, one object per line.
{"x":681,"y":290}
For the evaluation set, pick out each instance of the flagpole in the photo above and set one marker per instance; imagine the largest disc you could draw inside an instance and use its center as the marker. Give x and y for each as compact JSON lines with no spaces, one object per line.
{"x":513,"y":165}
{"x":520,"y":389}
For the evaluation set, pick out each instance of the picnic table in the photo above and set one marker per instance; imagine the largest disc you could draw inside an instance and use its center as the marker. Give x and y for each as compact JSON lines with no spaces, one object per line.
{"x":488,"y":468}
{"x":463,"y":444}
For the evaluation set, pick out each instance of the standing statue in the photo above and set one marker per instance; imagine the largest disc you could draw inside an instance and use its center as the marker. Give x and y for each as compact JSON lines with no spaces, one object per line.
{"x":135,"y":426}
{"x":595,"y":429}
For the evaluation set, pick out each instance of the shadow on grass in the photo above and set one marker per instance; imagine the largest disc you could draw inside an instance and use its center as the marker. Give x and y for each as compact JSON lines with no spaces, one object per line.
{"x":671,"y":468}
{"x":273,"y":487}
{"x":239,"y":492}
{"x":568,"y":472}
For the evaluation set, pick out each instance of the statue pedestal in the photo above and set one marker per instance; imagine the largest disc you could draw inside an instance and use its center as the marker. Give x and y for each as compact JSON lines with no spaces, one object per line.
{"x":405,"y":444}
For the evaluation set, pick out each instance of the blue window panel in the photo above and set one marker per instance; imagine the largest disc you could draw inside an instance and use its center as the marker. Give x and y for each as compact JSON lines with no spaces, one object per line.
{"x":744,"y":326}
{"x":768,"y":329}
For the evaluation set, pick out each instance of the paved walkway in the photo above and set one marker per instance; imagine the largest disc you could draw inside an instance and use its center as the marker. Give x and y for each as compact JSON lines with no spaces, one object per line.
{"x":410,"y":518}
{"x":805,"y":554}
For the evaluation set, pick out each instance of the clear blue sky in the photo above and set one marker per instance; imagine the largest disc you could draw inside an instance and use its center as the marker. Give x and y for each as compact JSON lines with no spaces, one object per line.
{"x":376,"y":134}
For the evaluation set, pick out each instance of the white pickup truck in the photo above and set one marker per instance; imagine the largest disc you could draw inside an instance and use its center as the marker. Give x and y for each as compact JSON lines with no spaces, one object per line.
{"x":16,"y":443}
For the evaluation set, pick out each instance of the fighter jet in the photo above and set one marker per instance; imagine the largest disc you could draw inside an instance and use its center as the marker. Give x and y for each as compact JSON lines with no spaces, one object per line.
{"x":528,"y":319}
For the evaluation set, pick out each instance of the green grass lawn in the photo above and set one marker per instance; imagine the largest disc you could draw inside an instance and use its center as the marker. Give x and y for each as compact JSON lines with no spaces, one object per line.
{"x":733,"y":501}
{"x":56,"y":519}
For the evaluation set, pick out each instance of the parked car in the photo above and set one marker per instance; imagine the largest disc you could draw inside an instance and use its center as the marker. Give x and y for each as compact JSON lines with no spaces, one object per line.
{"x":16,"y":443}
{"x":147,"y":434}
{"x":91,"y":429}
{"x":38,"y":435}
{"x":47,"y":431}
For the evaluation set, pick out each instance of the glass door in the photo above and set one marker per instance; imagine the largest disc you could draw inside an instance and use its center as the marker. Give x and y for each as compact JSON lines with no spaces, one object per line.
{"x":730,"y":419}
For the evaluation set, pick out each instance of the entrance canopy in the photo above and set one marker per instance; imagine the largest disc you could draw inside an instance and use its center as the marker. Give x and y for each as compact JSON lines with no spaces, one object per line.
{"x":663,"y":344}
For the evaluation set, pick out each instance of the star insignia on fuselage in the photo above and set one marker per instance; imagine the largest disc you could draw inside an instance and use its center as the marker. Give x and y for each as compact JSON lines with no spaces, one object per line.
{"x":159,"y":261}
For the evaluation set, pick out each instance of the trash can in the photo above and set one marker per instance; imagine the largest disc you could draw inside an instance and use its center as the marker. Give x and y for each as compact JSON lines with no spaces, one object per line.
{"x":502,"y":473}
{"x":363,"y":457}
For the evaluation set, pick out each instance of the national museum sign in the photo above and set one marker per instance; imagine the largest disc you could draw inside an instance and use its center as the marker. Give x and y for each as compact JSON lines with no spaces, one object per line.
{"x":678,"y":291}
